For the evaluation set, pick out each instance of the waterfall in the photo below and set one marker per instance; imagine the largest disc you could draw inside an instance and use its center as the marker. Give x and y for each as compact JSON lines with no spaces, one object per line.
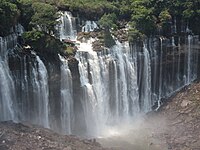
{"x":66,"y":98}
{"x":99,"y":89}
{"x":7,"y":89}
{"x":67,"y":27}
{"x":146,"y":106}
{"x":175,"y":25}
{"x":160,"y":72}
{"x":6,"y":93}
{"x":192,"y":60}
{"x":42,"y":94}
{"x":32,"y":90}
{"x":164,"y":66}
{"x":189,"y":60}
{"x":109,"y":86}
{"x":89,"y":26}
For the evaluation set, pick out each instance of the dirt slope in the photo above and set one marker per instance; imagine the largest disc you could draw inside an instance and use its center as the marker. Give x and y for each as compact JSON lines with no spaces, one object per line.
{"x":183,"y":119}
{"x":28,"y":137}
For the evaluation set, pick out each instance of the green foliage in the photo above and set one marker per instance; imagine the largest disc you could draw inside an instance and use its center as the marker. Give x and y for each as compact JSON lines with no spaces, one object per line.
{"x":69,"y":50}
{"x":92,"y":9}
{"x":9,"y":14}
{"x":164,"y":16}
{"x":125,"y":10}
{"x":145,"y":15}
{"x":108,"y":39}
{"x":44,"y":17}
{"x":148,"y":15}
{"x":191,"y":9}
{"x":33,"y":36}
{"x":143,"y":19}
{"x":108,"y":21}
{"x":135,"y":35}
{"x":27,"y":12}
{"x":43,"y":42}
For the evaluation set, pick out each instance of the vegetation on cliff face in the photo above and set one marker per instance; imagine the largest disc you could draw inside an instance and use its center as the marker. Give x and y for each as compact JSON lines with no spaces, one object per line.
{"x":43,"y":42}
{"x":44,"y":17}
{"x":9,"y":14}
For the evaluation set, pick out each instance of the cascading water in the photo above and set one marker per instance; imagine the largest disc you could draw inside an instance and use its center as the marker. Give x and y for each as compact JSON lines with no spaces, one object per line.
{"x":191,"y":59}
{"x":146,"y":106}
{"x":176,"y":67}
{"x":89,"y":26}
{"x":32,"y":91}
{"x":7,"y":91}
{"x":160,"y":72}
{"x":109,"y":86}
{"x":43,"y":94}
{"x":66,"y":98}
{"x":67,"y":26}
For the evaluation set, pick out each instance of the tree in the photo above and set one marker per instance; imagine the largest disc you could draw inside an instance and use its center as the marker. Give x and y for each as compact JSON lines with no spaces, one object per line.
{"x":108,"y":21}
{"x":9,"y":14}
{"x":27,"y":12}
{"x":42,"y":42}
{"x":45,"y":17}
{"x":143,"y":18}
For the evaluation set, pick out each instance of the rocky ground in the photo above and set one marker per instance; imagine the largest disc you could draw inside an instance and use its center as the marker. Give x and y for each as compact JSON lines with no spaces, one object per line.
{"x":183,"y":119}
{"x":176,"y":126}
{"x":27,"y":137}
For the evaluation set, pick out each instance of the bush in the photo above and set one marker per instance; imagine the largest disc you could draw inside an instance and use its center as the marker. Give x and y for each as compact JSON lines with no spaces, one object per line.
{"x":42,"y":42}
{"x":9,"y":14}
{"x":45,"y":17}
{"x":108,"y":21}
{"x":135,"y":35}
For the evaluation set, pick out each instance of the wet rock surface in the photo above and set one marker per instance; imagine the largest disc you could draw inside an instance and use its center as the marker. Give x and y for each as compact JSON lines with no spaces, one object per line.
{"x":28,"y":137}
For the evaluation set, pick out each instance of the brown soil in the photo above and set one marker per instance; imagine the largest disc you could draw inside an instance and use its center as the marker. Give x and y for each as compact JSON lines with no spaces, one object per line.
{"x":27,"y":137}
{"x":183,"y":119}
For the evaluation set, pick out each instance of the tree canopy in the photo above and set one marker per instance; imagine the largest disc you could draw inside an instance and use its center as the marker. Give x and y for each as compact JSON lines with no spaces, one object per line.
{"x":146,"y":16}
{"x":44,"y":17}
{"x":9,"y":14}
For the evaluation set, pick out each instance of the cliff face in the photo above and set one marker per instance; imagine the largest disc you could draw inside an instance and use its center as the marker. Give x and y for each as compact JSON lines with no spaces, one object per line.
{"x":165,"y":65}
{"x":94,"y":90}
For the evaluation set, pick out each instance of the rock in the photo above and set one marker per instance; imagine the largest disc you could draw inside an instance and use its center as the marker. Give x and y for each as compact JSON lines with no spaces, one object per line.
{"x":150,"y":144}
{"x":67,"y":148}
{"x":167,"y":107}
{"x":39,"y":137}
{"x":196,"y":145}
{"x":185,"y":103}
